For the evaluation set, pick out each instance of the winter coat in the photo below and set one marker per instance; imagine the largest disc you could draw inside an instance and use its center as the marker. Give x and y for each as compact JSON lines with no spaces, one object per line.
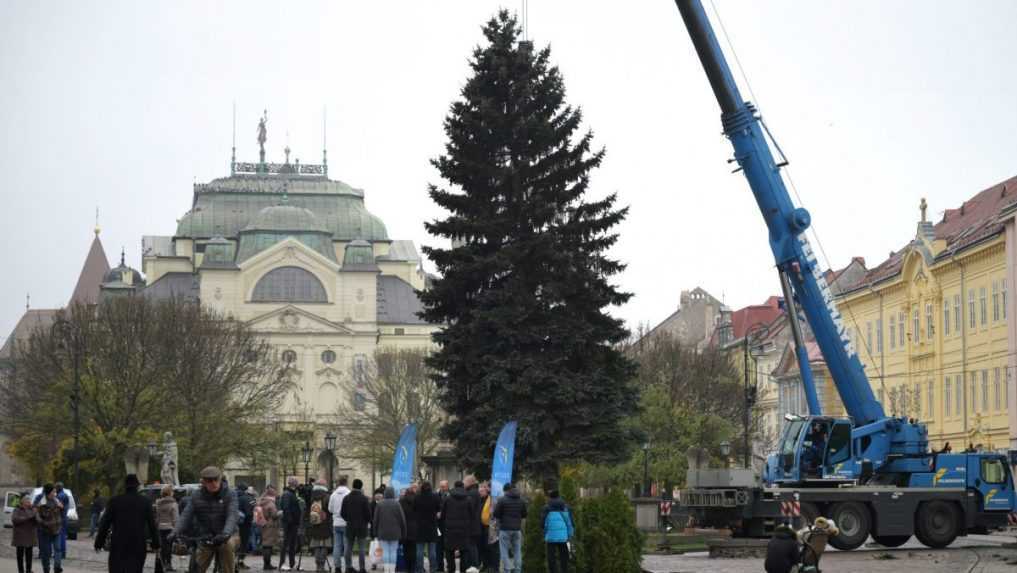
{"x":270,"y":534}
{"x":782,"y":551}
{"x":510,"y":511}
{"x":289,"y":505}
{"x":50,"y":519}
{"x":407,"y":502}
{"x":335,"y":505}
{"x":425,"y":516}
{"x":476,"y":528}
{"x":245,"y":504}
{"x":389,"y":519}
{"x":209,"y":514}
{"x":166,"y":513}
{"x":132,"y":520}
{"x":322,"y":530}
{"x":356,"y":511}
{"x":556,"y":519}
{"x":457,"y":516}
{"x":25,"y":522}
{"x":98,"y":504}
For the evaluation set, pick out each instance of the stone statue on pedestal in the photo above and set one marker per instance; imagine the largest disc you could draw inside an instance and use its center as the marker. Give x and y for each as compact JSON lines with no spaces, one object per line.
{"x":169,"y":473}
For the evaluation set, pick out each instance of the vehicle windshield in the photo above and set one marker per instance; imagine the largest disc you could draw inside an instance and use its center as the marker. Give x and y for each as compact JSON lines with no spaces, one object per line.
{"x":790,"y":438}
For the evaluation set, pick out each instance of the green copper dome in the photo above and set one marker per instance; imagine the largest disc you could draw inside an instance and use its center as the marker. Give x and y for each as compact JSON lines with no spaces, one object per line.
{"x":229,"y":205}
{"x":276,"y":223}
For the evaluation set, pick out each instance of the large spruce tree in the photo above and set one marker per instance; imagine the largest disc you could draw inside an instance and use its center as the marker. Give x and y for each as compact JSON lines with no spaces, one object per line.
{"x":524,"y":287}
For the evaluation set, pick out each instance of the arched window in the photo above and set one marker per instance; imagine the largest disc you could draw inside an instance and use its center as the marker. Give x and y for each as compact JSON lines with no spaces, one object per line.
{"x":289,"y":284}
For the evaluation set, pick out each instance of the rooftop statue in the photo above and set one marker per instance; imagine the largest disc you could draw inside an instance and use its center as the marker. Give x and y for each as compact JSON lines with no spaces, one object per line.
{"x":263,"y":133}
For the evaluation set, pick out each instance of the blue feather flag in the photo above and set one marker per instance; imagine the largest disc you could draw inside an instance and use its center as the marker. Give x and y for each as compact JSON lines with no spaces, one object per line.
{"x":504,"y":454}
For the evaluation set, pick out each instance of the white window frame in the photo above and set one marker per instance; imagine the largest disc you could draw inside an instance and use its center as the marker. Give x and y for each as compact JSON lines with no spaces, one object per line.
{"x":972,"y":322}
{"x":946,"y":316}
{"x":947,"y":389}
{"x":983,"y":307}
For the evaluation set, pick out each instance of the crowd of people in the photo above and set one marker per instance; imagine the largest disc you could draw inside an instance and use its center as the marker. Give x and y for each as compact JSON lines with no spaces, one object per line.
{"x":423,"y":528}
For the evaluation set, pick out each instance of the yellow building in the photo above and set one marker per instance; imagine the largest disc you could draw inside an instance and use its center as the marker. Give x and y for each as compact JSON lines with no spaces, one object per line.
{"x":930,"y":324}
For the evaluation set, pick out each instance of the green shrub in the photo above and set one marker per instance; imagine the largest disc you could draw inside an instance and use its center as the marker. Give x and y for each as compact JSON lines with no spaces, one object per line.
{"x":607,"y":540}
{"x":534,"y":551}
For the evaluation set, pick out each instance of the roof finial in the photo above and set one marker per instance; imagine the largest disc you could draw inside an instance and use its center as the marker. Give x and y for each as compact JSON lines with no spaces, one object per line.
{"x":263,"y":134}
{"x":233,"y":157}
{"x":923,"y":206}
{"x":324,"y":140}
{"x":28,"y":301}
{"x":122,"y":253}
{"x":97,"y":229}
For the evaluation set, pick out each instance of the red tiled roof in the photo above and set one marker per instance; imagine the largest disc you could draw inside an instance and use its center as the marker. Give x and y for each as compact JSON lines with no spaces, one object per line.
{"x":975,"y":220}
{"x":746,"y":318}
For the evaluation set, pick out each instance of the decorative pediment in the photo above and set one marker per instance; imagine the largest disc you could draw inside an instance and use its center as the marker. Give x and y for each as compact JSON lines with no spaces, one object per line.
{"x":291,"y":318}
{"x":329,"y":373}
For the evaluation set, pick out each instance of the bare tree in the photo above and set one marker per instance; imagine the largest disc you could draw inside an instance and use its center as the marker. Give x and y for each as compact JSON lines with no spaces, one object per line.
{"x":145,"y":367}
{"x":389,"y":391}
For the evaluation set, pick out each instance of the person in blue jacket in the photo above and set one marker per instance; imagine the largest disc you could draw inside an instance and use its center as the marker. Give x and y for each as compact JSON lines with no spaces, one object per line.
{"x":558,"y":530}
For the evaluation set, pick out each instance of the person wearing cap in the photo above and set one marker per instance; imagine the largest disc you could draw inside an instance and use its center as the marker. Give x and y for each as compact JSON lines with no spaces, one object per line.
{"x":782,"y":553}
{"x":132,"y":520}
{"x":212,"y":517}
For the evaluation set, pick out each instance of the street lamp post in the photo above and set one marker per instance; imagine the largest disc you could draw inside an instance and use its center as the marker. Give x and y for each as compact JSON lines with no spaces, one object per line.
{"x":68,"y":330}
{"x":307,"y":460}
{"x":330,"y":446}
{"x":646,"y":469}
{"x":750,"y":390}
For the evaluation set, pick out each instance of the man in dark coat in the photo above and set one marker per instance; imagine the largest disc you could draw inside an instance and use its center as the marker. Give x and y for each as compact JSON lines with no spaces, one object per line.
{"x":477,"y":527}
{"x":782,"y":551}
{"x":291,"y":518}
{"x":510,"y":511}
{"x":425,"y":517}
{"x":131,"y":517}
{"x":458,"y":515}
{"x":409,"y":542}
{"x":211,"y":516}
{"x":443,"y":493}
{"x":356,"y":510}
{"x":245,"y":503}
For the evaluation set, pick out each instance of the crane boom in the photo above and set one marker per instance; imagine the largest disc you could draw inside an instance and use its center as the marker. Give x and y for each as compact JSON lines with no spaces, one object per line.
{"x":787,"y":224}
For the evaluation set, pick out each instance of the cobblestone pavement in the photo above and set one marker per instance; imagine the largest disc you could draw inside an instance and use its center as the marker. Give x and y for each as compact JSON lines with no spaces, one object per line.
{"x":974,"y":554}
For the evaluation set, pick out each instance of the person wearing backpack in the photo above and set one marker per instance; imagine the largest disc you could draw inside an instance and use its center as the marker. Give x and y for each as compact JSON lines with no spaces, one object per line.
{"x":319,"y":524}
{"x":556,"y":519}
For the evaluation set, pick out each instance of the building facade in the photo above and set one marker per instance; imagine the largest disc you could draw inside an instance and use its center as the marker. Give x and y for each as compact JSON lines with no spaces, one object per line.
{"x":931,"y":324}
{"x":299,"y":258}
{"x":694,"y":321}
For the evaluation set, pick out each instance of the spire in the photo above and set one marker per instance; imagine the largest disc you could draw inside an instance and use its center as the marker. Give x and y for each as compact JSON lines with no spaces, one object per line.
{"x":97,"y":229}
{"x":28,"y":301}
{"x":122,"y":257}
{"x":86,"y":290}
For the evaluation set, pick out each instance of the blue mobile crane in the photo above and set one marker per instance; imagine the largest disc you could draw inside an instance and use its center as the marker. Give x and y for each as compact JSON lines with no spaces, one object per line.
{"x":872,"y":473}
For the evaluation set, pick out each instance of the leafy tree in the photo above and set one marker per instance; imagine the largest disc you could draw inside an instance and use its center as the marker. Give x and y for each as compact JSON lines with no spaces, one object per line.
{"x":524,"y":287}
{"x":391,"y":390}
{"x":686,"y":402}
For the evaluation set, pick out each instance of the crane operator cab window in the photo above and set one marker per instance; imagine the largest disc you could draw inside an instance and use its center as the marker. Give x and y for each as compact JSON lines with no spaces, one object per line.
{"x":814,"y":450}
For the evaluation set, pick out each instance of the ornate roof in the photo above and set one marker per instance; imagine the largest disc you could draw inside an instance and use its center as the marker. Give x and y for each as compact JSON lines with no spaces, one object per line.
{"x":359,"y":256}
{"x":226,"y":206}
{"x":274,"y":224}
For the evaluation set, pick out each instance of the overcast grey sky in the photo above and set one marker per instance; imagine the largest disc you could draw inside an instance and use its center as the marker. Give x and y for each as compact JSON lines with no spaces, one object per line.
{"x":123,"y":105}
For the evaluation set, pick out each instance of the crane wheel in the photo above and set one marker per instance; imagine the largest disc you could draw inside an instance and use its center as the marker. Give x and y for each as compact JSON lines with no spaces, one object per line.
{"x":854,"y":522}
{"x":937,"y":523}
{"x":891,"y":540}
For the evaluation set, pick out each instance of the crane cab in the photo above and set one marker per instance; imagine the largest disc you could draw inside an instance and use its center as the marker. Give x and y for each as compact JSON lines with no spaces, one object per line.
{"x":812,"y":449}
